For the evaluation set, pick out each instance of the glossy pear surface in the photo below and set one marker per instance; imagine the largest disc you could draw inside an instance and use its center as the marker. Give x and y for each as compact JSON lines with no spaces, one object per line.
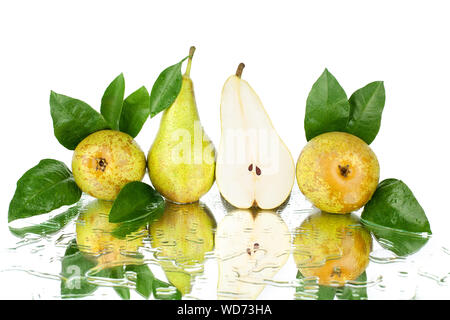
{"x":334,"y":248}
{"x":95,"y":239}
{"x":337,"y":172}
{"x":181,"y":160}
{"x":183,"y":235}
{"x":105,"y":161}
{"x":251,"y":247}
{"x":254,"y":166}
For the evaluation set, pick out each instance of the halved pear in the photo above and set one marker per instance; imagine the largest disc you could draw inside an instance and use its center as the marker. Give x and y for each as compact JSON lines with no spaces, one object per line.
{"x":251,"y":247}
{"x":254,"y":167}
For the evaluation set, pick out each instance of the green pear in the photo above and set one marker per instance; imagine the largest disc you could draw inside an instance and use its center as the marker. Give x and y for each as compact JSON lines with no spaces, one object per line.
{"x":183,"y":235}
{"x":181,"y":161}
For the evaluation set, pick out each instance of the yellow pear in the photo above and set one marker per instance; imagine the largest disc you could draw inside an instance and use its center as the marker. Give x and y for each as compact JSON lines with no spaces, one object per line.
{"x":183,"y":235}
{"x":95,"y":238}
{"x":337,"y":172}
{"x":251,"y":247}
{"x":334,"y":248}
{"x":254,"y":166}
{"x":181,"y":160}
{"x":105,"y":161}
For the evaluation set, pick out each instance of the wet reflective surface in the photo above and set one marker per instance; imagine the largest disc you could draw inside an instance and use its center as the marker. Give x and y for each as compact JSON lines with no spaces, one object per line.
{"x":210,"y":250}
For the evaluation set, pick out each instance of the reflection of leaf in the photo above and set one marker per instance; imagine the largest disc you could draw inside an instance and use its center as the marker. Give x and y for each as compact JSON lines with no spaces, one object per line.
{"x":402,"y":243}
{"x":169,"y":296}
{"x":144,"y":279}
{"x":323,"y":292}
{"x":50,"y":226}
{"x":74,"y":267}
{"x":118,"y":273}
{"x":357,"y":290}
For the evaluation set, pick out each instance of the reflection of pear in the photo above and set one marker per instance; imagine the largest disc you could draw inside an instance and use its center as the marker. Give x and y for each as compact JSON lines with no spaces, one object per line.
{"x":94,"y":237}
{"x":183,"y":235}
{"x":335,"y":248}
{"x":251,"y":247}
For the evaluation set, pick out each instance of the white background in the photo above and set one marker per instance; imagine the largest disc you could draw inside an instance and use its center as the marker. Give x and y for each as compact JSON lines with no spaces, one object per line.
{"x":77,"y":47}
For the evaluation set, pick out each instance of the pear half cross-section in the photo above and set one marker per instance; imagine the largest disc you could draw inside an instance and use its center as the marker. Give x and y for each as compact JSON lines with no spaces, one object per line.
{"x":254,"y":167}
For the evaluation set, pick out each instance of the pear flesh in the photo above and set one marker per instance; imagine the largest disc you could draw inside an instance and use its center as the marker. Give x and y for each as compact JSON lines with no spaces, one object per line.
{"x":181,"y":161}
{"x":254,"y":166}
{"x":251,"y":248}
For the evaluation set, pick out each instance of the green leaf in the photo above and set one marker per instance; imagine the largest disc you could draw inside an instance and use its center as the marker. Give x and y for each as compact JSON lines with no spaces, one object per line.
{"x":73,"y":120}
{"x":42,"y":189}
{"x":164,"y":296}
{"x":50,"y":226}
{"x":327,"y":107}
{"x":74,"y":267}
{"x":135,"y":111}
{"x":135,"y":201}
{"x":144,"y":279}
{"x":396,"y":218}
{"x":112,"y":101}
{"x":366,"y":107}
{"x":166,"y":88}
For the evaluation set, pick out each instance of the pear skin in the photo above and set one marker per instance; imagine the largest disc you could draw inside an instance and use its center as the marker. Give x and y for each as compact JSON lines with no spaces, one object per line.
{"x":105,"y":161}
{"x":337,"y":172}
{"x":181,"y":160}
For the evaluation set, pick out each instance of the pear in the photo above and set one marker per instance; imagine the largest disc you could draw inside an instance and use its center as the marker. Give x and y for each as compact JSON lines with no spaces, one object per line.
{"x":254,"y":166}
{"x":183,"y":235}
{"x":251,"y":247}
{"x":105,"y":161}
{"x":181,"y":161}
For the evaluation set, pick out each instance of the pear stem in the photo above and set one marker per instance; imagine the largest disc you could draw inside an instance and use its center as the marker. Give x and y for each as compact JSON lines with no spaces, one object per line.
{"x":188,"y":68}
{"x":239,"y":70}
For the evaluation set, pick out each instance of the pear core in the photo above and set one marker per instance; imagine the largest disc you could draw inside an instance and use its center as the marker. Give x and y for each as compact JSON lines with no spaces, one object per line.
{"x":106,"y":161}
{"x":337,"y":172}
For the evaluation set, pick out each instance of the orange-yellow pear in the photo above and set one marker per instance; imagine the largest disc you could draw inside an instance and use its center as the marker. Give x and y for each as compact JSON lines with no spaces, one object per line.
{"x":337,"y":172}
{"x":254,"y":166}
{"x":334,"y":248}
{"x":95,"y":238}
{"x":105,"y":161}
